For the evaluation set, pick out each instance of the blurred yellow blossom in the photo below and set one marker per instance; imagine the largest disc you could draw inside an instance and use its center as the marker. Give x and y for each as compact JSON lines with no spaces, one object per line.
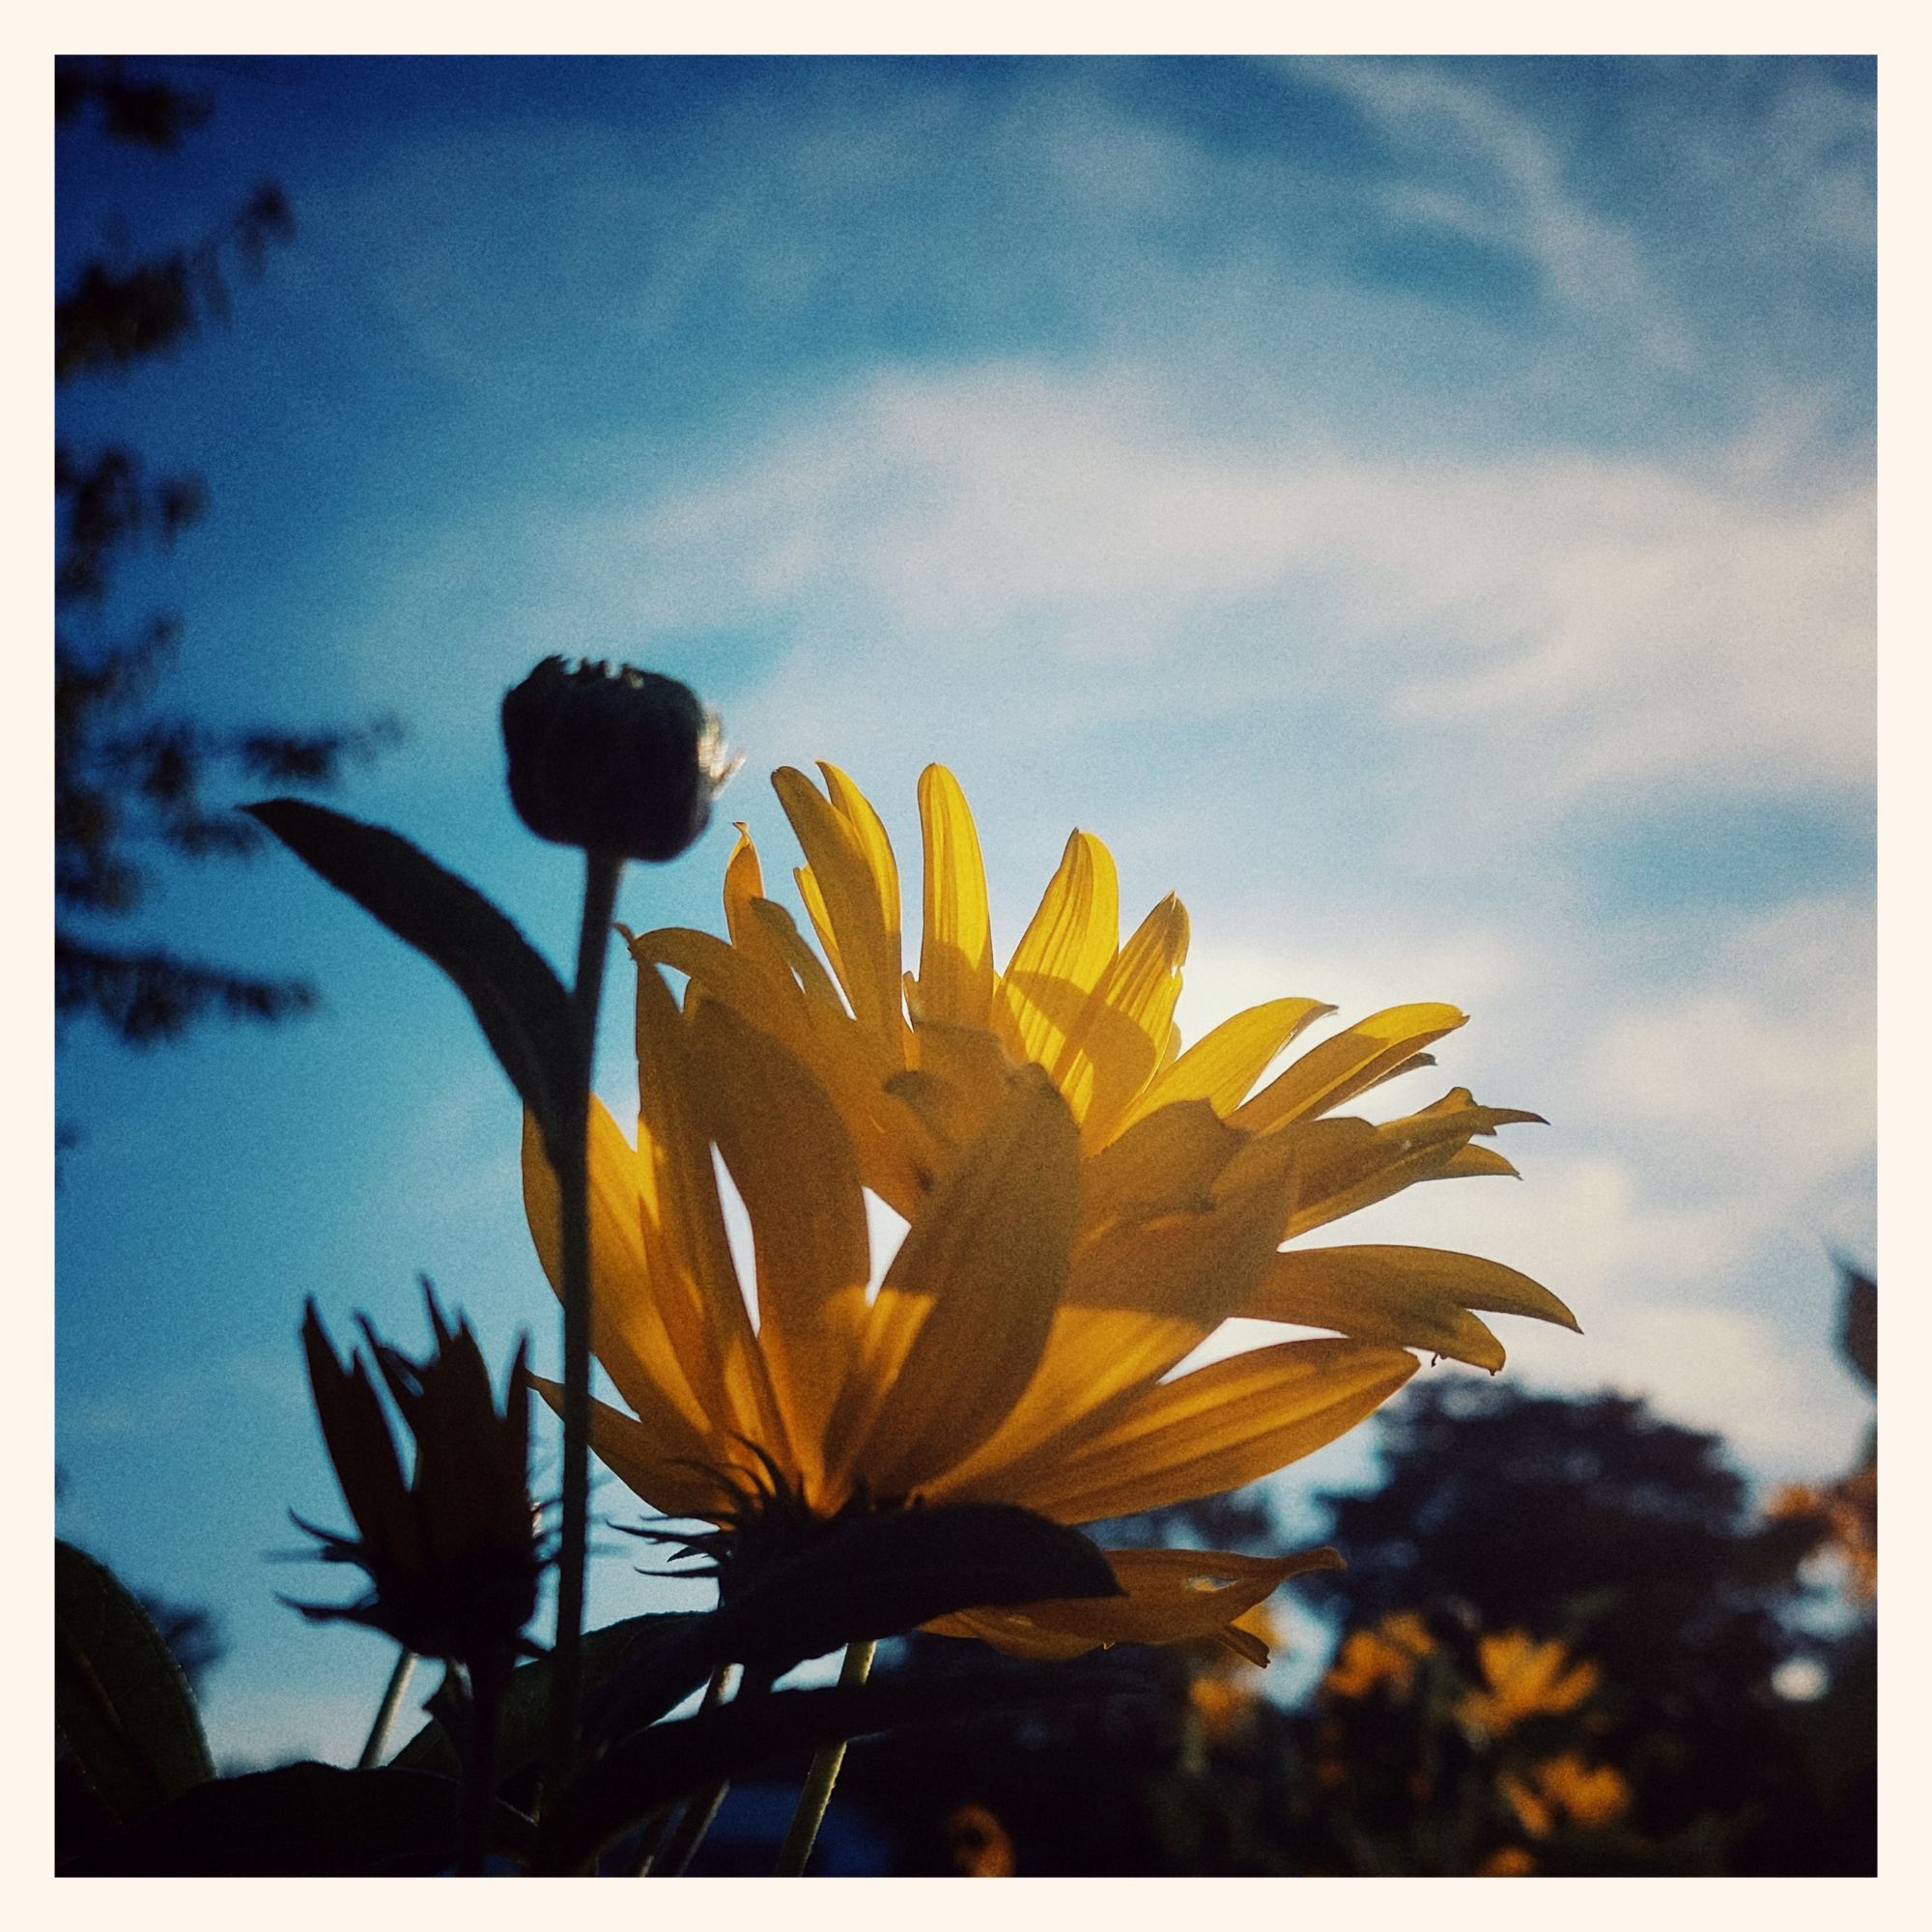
{"x":1386,"y":1654}
{"x":1565,"y":1788}
{"x":1523,"y":1679}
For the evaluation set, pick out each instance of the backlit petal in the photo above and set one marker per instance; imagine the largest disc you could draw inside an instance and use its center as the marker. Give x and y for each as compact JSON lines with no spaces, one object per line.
{"x":1222,"y":1066}
{"x":1172,"y":1596}
{"x":1114,"y":1044}
{"x":1231,"y":1423}
{"x":794,"y":1169}
{"x":646,"y":1462}
{"x":1063,"y":952}
{"x":627,"y":1327}
{"x":1413,"y":1297}
{"x":1341,"y":1067}
{"x":964,"y":1310}
{"x":956,"y":956}
{"x":850,"y":910}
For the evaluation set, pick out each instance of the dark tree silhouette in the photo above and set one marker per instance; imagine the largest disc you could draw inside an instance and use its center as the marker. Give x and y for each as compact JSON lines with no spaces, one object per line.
{"x":1632,"y":1539}
{"x":131,"y":776}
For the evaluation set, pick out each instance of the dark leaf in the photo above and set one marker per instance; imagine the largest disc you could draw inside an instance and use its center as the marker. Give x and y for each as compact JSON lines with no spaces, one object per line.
{"x":518,"y":1000}
{"x":858,"y":1579}
{"x":653,"y":1767}
{"x":1858,"y":1327}
{"x":525,"y":1713}
{"x":119,"y":1699}
{"x":304,"y":1821}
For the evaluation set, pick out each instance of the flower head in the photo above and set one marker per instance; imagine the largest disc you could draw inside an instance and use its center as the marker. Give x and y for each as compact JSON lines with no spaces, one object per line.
{"x":1566,"y":1788}
{"x":452,"y":1555}
{"x":916,"y":1064}
{"x":1524,"y":1678}
{"x":1086,"y":1205}
{"x":613,"y":760}
{"x":1387,"y":1654}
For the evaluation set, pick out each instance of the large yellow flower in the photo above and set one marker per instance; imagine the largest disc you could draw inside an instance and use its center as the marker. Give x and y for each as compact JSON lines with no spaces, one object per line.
{"x":916,"y":1064}
{"x":1086,"y":1205}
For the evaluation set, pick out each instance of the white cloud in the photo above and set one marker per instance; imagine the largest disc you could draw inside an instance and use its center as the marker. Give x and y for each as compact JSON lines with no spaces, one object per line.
{"x":1576,"y":621}
{"x":1512,"y":192}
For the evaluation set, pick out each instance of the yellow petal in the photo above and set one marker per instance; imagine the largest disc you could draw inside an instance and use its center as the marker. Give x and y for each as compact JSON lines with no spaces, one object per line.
{"x":744,"y":885}
{"x":1223,"y":1065}
{"x":1139,"y":1296}
{"x":1163,"y":1164}
{"x":1114,"y":1044}
{"x":760,"y":988}
{"x":644,"y":1460}
{"x":1341,"y":1067}
{"x":807,"y":881}
{"x":1221,"y":1427}
{"x":795,"y":1171}
{"x":1369,"y":1294}
{"x":967,"y":1068}
{"x":1346,"y":1164}
{"x":846,"y":897}
{"x":1172,"y":1596}
{"x":704,"y":1308}
{"x":627,"y":1326}
{"x":1363,"y":1283}
{"x":1063,"y":952}
{"x":898,"y":1158}
{"x":964,"y":1310}
{"x":955,"y":955}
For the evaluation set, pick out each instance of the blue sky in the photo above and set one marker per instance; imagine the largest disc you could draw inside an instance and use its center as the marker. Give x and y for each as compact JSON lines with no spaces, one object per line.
{"x":1422,"y":511}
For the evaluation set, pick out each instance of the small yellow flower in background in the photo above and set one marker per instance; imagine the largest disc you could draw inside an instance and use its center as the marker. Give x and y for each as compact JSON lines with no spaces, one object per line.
{"x":978,"y":1844}
{"x":1510,"y":1862}
{"x":1845,"y":1515}
{"x":1524,"y":1679}
{"x":1566,"y":1788}
{"x":1387,"y":1654}
{"x":1086,"y":1205}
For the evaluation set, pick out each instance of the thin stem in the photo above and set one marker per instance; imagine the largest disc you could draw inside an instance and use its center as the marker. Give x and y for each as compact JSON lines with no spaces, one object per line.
{"x":667,"y":1852}
{"x":817,"y":1796}
{"x":601,"y":872}
{"x":385,"y":1712}
{"x":479,"y":1783}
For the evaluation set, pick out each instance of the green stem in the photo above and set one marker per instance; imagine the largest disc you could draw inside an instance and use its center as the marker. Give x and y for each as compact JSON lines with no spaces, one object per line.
{"x":667,"y":1852}
{"x":817,"y":1796}
{"x":385,"y":1712}
{"x":601,"y":872}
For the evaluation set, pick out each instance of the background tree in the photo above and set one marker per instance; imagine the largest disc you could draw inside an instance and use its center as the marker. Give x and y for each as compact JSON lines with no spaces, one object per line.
{"x":131,"y":776}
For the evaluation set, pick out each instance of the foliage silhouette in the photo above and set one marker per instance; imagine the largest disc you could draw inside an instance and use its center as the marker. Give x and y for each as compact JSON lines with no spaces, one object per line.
{"x":130,"y":776}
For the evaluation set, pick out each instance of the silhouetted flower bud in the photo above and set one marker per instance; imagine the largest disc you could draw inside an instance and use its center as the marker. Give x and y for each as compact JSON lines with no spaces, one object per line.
{"x":613,"y":759}
{"x":452,"y":1556}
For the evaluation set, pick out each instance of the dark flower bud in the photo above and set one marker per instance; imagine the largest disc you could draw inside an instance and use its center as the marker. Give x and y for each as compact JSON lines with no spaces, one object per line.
{"x":452,"y":1555}
{"x":613,"y":759}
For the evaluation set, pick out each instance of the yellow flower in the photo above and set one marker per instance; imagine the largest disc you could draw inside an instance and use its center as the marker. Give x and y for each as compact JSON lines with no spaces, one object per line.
{"x":916,"y":1066}
{"x":1510,"y":1862}
{"x":912,"y":1395}
{"x":1086,"y":1205}
{"x":1386,"y":1654}
{"x":1523,"y":1679}
{"x":1563,"y":1788}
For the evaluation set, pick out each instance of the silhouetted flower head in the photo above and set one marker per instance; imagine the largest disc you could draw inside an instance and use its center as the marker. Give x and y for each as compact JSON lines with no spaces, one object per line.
{"x":452,"y":1556}
{"x":613,"y":758}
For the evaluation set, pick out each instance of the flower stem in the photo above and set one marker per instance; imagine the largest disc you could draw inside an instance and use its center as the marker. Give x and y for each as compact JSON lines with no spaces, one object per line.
{"x":385,"y":1712}
{"x":671,"y":1847}
{"x":601,"y":872}
{"x":817,"y":1796}
{"x":487,"y":1687}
